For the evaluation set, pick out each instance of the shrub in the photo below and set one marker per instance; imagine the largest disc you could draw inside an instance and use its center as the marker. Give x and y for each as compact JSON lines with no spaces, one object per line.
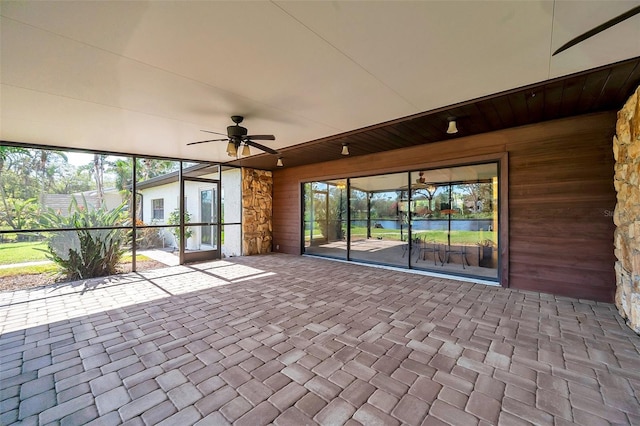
{"x":147,"y":237}
{"x":82,"y":253}
{"x":174,"y":219}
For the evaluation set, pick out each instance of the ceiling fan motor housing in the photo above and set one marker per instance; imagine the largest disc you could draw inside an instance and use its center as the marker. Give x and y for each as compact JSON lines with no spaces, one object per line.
{"x":236,"y":131}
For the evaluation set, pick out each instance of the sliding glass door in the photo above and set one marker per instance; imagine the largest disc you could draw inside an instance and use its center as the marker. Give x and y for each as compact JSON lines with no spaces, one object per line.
{"x":443,"y":220}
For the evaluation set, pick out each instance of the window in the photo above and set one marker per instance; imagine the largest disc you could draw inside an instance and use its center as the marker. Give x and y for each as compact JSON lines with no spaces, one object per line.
{"x":158,"y":208}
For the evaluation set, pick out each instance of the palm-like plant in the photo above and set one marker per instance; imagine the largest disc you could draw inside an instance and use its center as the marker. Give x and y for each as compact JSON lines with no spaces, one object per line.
{"x":86,"y":253}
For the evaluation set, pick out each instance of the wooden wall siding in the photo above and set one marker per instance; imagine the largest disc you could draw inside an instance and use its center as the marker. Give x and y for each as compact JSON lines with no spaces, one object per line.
{"x":560,"y":190}
{"x":560,"y":198}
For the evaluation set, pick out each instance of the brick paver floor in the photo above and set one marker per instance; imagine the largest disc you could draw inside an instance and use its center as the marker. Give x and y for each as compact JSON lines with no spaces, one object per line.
{"x":291,"y":340}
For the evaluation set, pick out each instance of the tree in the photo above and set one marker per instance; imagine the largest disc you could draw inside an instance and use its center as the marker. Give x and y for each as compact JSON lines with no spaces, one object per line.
{"x":145,"y":169}
{"x":98,"y":175}
{"x":428,"y":192}
{"x":148,"y":168}
{"x":8,"y":155}
{"x":123,"y":171}
{"x":74,"y":180}
{"x":330,"y":209}
{"x":30,"y":173}
{"x":476,"y":192}
{"x":47,"y":164}
{"x":384,"y":205}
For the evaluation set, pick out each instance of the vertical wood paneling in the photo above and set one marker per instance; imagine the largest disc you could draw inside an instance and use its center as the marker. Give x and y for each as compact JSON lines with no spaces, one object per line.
{"x":561,"y":198}
{"x":560,"y":192}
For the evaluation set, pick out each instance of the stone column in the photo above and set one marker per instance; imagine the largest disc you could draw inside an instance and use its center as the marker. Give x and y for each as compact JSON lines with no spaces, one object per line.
{"x":257,"y":208}
{"x":626,"y":151}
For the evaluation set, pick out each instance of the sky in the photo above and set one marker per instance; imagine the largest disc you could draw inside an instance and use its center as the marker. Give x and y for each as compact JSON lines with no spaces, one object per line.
{"x":79,"y":158}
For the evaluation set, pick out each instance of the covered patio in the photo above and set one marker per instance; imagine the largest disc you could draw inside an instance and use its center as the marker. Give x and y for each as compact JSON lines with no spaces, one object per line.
{"x":294,"y":340}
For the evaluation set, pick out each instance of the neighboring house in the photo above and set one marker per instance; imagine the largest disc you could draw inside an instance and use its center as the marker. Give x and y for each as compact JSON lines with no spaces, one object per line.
{"x":159,"y":197}
{"x":112,"y":198}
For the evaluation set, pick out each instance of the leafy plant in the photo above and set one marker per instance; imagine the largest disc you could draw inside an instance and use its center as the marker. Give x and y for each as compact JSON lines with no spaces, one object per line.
{"x":174,"y":219}
{"x":147,"y":237}
{"x":19,"y":214}
{"x":82,"y":253}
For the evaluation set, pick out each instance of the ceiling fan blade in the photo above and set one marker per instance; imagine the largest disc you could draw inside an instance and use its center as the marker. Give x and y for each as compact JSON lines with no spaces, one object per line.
{"x":210,"y":140}
{"x":610,"y":23}
{"x":261,"y":137}
{"x":215,"y":133}
{"x":260,"y":146}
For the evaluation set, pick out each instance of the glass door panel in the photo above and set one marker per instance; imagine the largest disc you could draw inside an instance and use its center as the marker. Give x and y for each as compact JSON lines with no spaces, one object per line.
{"x":428,"y":228}
{"x":325,"y":208}
{"x":379,"y":228}
{"x":202,"y":226}
{"x":455,"y":220}
{"x":207,"y":215}
{"x":360,"y":214}
{"x":231,"y":212}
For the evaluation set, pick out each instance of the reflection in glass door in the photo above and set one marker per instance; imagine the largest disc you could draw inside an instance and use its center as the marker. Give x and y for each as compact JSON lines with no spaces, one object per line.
{"x":202,"y":227}
{"x":325,"y":218}
{"x":455,"y":220}
{"x":207,"y":215}
{"x":379,"y":227}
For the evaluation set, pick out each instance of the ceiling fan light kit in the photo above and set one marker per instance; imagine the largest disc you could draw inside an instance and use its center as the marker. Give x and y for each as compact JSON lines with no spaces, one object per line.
{"x":232,"y":151}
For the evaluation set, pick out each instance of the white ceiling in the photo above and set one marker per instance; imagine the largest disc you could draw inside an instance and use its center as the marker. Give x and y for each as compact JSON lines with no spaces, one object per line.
{"x":146,"y":77}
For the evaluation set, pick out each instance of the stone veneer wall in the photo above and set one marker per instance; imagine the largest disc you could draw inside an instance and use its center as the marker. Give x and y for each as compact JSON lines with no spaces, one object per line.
{"x":257,"y":208}
{"x":626,"y":151}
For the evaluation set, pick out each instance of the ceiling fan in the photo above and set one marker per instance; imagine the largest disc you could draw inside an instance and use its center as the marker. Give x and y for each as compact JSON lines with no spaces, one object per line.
{"x":237,"y":136}
{"x":604,"y":26}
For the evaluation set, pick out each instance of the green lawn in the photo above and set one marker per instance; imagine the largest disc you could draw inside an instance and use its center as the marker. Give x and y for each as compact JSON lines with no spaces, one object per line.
{"x":52,"y":267}
{"x":457,"y":237}
{"x":128,"y":257}
{"x":49,"y":268}
{"x":22,"y":252}
{"x":31,"y":252}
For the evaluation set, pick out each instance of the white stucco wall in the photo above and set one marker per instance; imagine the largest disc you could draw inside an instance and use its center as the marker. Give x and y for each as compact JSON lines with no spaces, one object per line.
{"x":169,"y":193}
{"x":231,"y":187}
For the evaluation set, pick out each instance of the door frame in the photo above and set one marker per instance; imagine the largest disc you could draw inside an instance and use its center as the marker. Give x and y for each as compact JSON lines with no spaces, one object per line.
{"x":200,"y":255}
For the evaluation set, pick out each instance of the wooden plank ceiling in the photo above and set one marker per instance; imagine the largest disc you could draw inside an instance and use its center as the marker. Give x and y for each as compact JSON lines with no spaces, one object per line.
{"x":601,"y":89}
